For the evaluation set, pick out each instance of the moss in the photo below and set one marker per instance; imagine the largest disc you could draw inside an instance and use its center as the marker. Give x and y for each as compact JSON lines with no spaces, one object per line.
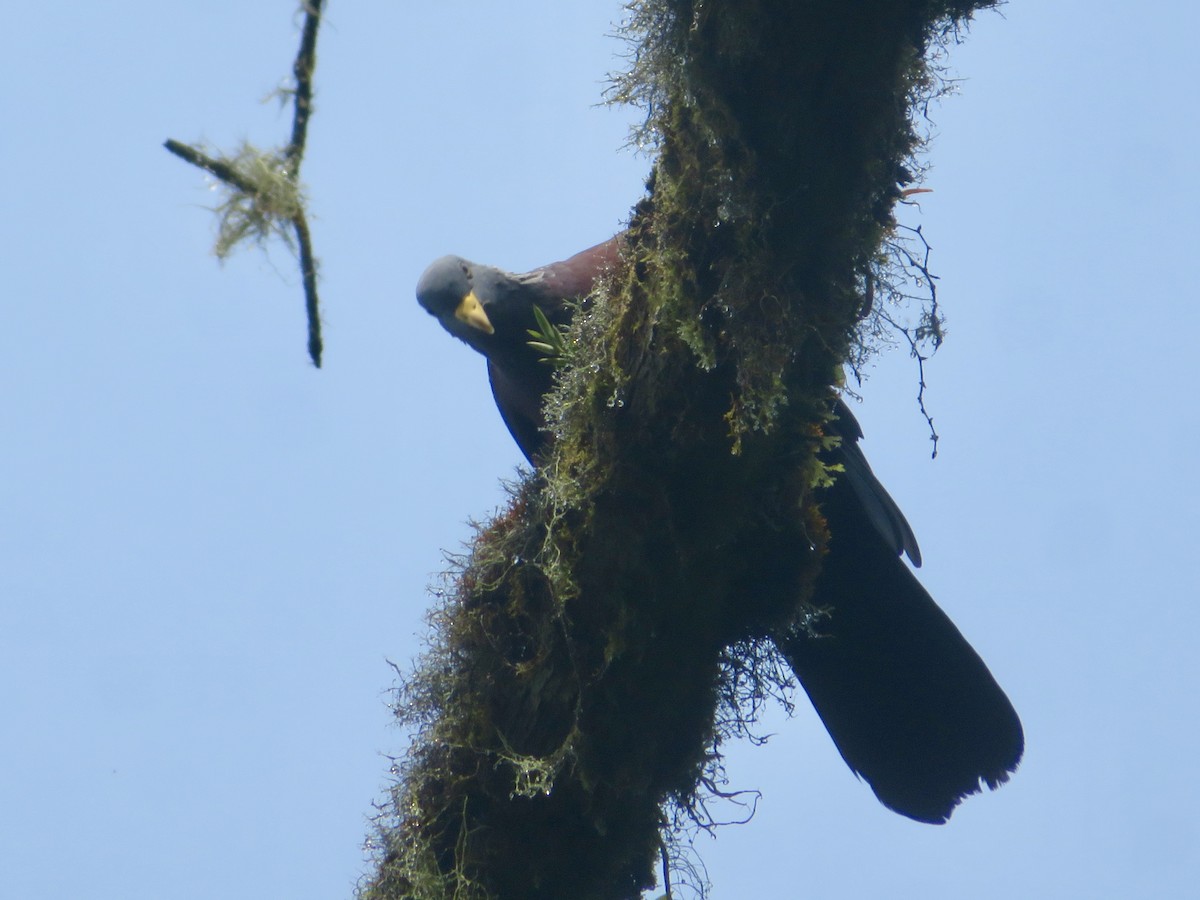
{"x":614,"y":625}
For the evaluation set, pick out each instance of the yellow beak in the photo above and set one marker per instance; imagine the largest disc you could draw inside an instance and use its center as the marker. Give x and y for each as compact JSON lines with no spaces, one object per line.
{"x":470,"y":310}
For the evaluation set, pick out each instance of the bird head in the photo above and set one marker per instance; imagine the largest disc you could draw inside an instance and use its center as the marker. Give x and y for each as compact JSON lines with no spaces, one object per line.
{"x":488,"y":309}
{"x":447,"y":292}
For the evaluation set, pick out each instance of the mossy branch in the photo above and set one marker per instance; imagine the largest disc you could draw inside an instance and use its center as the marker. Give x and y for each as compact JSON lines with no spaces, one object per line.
{"x":617,"y":622}
{"x":264,"y":194}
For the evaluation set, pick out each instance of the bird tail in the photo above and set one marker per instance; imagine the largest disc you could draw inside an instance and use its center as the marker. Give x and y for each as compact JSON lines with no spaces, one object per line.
{"x":909,"y":703}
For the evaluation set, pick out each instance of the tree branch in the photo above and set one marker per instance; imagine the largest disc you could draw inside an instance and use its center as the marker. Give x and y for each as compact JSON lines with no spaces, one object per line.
{"x":265,"y":195}
{"x":579,"y":680}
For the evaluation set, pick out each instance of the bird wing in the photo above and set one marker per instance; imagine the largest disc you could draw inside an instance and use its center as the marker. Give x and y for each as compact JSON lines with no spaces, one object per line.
{"x":520,"y":382}
{"x":576,"y":276}
{"x":520,"y":408}
{"x":882,"y":511}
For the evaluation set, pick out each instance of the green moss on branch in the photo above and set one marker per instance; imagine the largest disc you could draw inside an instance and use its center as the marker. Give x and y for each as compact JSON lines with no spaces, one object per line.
{"x":585,"y":665}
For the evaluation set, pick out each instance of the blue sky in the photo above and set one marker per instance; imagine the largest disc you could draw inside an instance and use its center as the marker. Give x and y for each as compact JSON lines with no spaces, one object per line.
{"x":208,"y":549}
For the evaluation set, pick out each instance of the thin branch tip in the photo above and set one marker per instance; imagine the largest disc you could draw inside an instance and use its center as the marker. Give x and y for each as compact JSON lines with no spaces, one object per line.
{"x":265,"y":192}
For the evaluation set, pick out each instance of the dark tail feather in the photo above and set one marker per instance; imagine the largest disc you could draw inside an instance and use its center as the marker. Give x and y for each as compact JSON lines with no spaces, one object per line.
{"x":909,"y":703}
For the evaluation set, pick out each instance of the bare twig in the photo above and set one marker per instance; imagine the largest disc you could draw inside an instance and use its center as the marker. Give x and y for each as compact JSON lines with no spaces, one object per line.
{"x":217,"y":167}
{"x":914,"y":349}
{"x":302,"y":69}
{"x":903,"y":265}
{"x":308,"y":271}
{"x":266,"y":196}
{"x":929,"y":329}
